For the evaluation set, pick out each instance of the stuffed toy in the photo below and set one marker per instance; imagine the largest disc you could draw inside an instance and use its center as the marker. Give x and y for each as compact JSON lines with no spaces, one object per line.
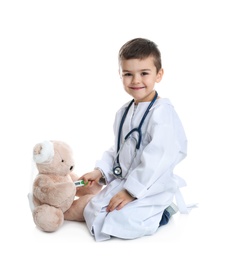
{"x":54,"y":190}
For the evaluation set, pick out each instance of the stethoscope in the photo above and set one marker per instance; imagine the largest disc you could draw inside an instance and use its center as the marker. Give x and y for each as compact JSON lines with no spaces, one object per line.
{"x":117,"y":170}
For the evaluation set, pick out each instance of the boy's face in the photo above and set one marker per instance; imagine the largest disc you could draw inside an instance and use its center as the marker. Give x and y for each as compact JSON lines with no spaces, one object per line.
{"x":139,"y":77}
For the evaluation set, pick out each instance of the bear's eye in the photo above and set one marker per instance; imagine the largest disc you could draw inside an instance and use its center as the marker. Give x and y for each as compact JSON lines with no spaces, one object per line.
{"x":62,"y":160}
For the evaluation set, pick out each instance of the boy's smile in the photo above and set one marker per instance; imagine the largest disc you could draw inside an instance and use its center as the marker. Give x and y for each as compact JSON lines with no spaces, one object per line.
{"x":139,"y":77}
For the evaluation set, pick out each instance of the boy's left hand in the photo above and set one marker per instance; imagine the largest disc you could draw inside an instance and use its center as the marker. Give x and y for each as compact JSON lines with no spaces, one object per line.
{"x":119,"y":200}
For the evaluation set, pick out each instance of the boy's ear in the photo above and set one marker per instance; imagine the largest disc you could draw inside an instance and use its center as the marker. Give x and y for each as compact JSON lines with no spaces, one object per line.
{"x":159,"y":75}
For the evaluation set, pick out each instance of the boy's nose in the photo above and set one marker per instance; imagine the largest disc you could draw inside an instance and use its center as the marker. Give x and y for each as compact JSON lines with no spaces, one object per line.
{"x":136,"y":79}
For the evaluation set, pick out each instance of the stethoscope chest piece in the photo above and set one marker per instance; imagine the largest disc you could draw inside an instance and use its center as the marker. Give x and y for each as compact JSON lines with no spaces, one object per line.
{"x":117,"y":171}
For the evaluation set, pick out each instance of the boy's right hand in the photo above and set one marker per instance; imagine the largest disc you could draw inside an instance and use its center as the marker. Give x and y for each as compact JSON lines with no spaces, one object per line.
{"x":91,"y":177}
{"x":92,"y":186}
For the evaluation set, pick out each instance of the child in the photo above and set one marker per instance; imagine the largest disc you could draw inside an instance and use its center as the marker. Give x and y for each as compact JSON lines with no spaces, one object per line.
{"x":138,"y":170}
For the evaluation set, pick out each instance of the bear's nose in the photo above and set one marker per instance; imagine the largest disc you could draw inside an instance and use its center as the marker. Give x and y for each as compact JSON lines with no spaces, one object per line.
{"x":71,"y":168}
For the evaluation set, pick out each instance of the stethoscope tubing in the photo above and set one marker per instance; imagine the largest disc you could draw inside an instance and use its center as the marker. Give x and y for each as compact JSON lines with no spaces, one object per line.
{"x":136,"y":129}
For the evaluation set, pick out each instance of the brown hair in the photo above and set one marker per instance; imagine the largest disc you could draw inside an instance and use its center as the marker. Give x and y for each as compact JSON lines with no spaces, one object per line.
{"x":140,"y":48}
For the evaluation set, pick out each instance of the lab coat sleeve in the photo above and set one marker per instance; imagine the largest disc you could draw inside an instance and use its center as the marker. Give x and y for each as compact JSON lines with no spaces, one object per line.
{"x":166,"y":148}
{"x":105,"y":164}
{"x":108,"y":157}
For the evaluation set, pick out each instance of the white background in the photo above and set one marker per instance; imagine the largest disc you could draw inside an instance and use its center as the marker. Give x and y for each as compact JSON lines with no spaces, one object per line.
{"x":59,"y":80}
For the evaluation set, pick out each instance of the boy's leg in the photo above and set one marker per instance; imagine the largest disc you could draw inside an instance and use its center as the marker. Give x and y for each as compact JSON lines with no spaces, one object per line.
{"x":75,"y":212}
{"x":168,"y":212}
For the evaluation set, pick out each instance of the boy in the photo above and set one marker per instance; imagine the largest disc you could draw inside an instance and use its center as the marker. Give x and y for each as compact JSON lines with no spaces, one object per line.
{"x":138,"y":170}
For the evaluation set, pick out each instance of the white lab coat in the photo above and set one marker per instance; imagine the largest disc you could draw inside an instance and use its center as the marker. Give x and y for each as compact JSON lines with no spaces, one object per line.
{"x":149,"y":178}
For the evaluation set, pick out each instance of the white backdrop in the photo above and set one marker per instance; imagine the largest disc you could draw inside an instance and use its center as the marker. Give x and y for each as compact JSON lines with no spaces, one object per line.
{"x":59,"y":80}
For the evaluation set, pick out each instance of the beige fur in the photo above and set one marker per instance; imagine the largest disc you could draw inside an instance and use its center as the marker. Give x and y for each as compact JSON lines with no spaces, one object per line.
{"x":55,"y":196}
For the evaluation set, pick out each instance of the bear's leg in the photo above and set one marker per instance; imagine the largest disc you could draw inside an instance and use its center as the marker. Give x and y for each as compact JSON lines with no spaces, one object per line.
{"x":48,"y":218}
{"x":75,"y":212}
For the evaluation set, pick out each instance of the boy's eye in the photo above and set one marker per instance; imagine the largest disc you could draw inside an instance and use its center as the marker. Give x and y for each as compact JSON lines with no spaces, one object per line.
{"x":144,"y":73}
{"x":127,"y":74}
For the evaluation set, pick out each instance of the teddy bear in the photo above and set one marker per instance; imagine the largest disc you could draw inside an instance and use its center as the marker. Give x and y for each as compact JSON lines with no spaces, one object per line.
{"x":54,"y":190}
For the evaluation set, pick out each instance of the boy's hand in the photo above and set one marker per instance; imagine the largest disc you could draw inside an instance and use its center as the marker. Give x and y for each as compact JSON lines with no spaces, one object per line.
{"x":119,"y":200}
{"x":91,"y":177}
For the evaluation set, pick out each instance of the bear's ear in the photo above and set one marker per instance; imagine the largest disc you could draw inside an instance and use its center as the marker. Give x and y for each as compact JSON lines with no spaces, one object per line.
{"x":43,"y":152}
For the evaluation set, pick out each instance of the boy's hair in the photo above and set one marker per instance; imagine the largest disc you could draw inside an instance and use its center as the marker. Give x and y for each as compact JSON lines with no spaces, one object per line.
{"x":140,"y":48}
